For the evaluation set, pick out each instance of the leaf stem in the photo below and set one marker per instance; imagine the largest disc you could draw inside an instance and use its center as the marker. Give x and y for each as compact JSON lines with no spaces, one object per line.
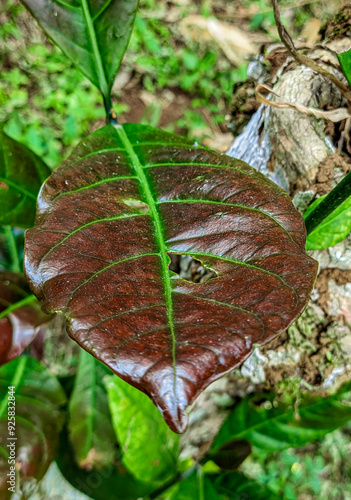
{"x":10,"y":239}
{"x":16,"y":379}
{"x":177,"y":479}
{"x":111,"y":117}
{"x":174,"y":480}
{"x":330,"y":203}
{"x":17,"y":305}
{"x":103,"y":83}
{"x":200,"y":478}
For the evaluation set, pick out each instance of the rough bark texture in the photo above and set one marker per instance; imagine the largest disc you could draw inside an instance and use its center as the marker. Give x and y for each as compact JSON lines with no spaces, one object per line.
{"x":301,"y":154}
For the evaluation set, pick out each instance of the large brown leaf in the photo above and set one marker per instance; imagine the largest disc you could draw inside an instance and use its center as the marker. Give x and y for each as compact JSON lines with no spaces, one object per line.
{"x":98,"y":257}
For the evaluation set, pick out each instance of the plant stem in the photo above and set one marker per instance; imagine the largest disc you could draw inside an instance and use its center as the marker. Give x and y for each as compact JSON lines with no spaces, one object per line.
{"x":16,"y":379}
{"x":111,"y":117}
{"x":177,"y":478}
{"x":27,"y":300}
{"x":200,"y":478}
{"x":10,"y":239}
{"x":331,"y":202}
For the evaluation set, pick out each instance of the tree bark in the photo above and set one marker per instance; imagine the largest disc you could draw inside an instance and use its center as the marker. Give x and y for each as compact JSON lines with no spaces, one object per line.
{"x":301,"y":154}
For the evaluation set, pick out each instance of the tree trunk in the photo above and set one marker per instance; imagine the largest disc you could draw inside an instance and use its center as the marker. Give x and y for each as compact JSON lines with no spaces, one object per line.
{"x":306,"y":156}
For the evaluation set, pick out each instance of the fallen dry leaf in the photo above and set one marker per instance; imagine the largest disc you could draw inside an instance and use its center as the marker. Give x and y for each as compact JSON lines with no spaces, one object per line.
{"x":235,"y":44}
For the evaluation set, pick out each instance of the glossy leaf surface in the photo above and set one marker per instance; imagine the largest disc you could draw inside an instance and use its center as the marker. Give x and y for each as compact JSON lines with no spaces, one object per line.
{"x":22,"y":173}
{"x":284,"y":426}
{"x":39,"y":397}
{"x":109,"y":218}
{"x":90,"y":427}
{"x":20,"y":316}
{"x":149,"y":449}
{"x":94,"y":34}
{"x":335,"y":228}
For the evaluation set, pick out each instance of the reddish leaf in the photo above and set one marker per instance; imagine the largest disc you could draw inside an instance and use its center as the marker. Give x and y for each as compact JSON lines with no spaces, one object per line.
{"x":33,"y":437}
{"x":98,"y":257}
{"x":20,"y":316}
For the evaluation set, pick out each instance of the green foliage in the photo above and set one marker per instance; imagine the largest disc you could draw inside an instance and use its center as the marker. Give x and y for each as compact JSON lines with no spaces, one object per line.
{"x":49,"y":106}
{"x":21,"y":176}
{"x":90,"y":426}
{"x":195,"y":68}
{"x":45,"y":103}
{"x":150,"y":450}
{"x":272,"y":425}
{"x":11,"y":249}
{"x":231,"y":454}
{"x":244,"y":487}
{"x":320,"y":470}
{"x":334,"y":228}
{"x":196,"y":486}
{"x":38,"y":398}
{"x":92,"y":34}
{"x":345,"y":63}
{"x":112,"y":482}
{"x":201,"y":486}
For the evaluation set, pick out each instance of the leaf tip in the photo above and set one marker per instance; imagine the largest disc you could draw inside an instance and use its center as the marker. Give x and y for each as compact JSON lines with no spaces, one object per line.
{"x":177,"y":421}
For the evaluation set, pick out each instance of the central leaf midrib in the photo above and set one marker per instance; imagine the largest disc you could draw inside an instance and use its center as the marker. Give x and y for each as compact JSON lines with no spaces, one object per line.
{"x":159,"y":236}
{"x":96,"y":51}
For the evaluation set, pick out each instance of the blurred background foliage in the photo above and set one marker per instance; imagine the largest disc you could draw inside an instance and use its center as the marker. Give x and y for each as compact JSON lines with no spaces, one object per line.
{"x":174,"y":75}
{"x":180,"y":79}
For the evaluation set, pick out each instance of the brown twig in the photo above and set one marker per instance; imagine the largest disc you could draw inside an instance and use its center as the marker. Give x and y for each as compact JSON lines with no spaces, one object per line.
{"x":334,"y":115}
{"x":305,"y":60}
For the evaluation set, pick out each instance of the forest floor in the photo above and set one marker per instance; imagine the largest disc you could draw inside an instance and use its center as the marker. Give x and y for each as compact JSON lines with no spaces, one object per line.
{"x":184,"y":59}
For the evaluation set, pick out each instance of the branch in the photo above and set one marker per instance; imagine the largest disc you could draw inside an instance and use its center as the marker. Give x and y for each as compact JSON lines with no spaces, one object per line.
{"x":305,"y":60}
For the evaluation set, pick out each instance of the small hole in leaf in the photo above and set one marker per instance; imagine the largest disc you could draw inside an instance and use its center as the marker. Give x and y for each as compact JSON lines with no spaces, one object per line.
{"x":138,"y":206}
{"x":190,"y":269}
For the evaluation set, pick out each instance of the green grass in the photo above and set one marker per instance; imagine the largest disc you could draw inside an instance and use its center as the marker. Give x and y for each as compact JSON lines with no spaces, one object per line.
{"x":46,"y":104}
{"x":318,"y":471}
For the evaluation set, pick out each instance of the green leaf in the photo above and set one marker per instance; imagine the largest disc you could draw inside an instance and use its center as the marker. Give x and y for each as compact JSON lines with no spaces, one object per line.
{"x":335,"y":228}
{"x":150,"y":450}
{"x":94,"y":34}
{"x":345,"y":63}
{"x":38,"y":421}
{"x":112,"y":482}
{"x":271,"y":425}
{"x":90,"y":427}
{"x":113,"y":215}
{"x":235,"y":485}
{"x":197,"y":486}
{"x":231,"y":454}
{"x":21,"y":175}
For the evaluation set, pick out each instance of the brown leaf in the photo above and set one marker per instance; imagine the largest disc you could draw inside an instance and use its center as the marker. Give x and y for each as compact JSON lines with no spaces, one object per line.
{"x":233,"y":41}
{"x":104,"y":263}
{"x":20,"y":316}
